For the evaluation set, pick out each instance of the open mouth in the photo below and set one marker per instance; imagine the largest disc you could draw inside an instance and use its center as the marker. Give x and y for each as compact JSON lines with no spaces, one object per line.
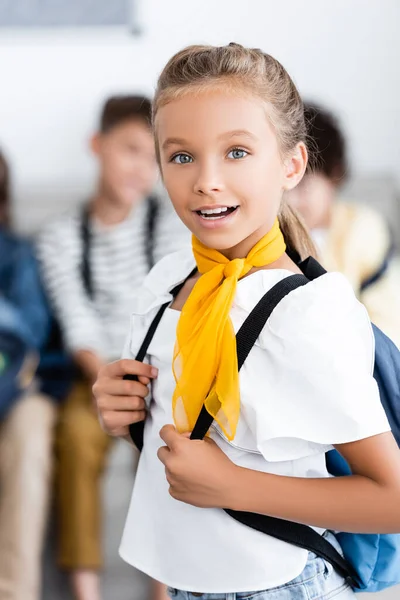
{"x":212,"y":214}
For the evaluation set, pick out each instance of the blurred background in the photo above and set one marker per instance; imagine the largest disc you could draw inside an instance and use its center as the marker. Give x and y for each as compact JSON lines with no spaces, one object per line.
{"x":343,"y":56}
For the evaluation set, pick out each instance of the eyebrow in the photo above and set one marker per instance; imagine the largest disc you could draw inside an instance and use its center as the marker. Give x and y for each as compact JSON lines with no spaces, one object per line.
{"x":173,"y":142}
{"x":228,"y":135}
{"x":238,"y":133}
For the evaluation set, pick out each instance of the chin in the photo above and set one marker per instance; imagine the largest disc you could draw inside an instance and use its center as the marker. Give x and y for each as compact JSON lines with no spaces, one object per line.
{"x":128,"y":200}
{"x":219,"y":240}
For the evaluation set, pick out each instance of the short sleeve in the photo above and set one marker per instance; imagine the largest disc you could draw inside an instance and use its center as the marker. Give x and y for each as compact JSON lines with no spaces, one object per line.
{"x":155,"y":291}
{"x":309,"y":383}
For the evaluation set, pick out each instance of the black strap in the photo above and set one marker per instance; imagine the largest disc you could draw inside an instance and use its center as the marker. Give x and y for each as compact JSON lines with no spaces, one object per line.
{"x":247,"y":335}
{"x":152,"y":214}
{"x":298,"y":535}
{"x":85,"y":261}
{"x":381,"y":269}
{"x":311,"y":268}
{"x":287,"y":531}
{"x":136,"y":430}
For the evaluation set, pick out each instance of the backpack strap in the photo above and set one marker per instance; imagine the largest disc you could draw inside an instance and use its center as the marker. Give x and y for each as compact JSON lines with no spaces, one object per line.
{"x":136,"y":430}
{"x":85,"y":262}
{"x":247,"y":335}
{"x":286,"y":531}
{"x":152,"y":215}
{"x":380,"y":270}
{"x":298,"y":535}
{"x":311,"y":268}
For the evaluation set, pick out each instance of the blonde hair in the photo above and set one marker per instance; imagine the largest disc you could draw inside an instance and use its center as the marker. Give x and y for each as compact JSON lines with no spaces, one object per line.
{"x":195,"y":68}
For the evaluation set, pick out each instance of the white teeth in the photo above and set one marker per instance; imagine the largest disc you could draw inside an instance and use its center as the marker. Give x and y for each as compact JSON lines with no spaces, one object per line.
{"x":214,"y":211}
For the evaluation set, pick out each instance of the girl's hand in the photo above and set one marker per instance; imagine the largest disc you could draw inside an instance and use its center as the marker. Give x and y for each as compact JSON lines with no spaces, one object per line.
{"x":121,"y":403}
{"x":197,"y":471}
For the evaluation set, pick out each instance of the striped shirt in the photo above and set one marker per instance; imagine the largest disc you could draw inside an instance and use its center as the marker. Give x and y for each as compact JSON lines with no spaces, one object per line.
{"x":118,"y":265}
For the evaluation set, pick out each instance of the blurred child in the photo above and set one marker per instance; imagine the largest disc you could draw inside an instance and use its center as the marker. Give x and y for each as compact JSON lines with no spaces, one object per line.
{"x":351,"y":238}
{"x":26,"y":416}
{"x":94,"y":259}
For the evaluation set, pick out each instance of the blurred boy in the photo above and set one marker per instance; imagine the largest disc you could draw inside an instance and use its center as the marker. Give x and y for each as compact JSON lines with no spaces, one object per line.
{"x":93,"y":261}
{"x":351,"y":238}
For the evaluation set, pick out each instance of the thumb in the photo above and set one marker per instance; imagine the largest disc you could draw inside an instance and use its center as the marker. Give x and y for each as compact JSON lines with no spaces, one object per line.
{"x":170,"y":436}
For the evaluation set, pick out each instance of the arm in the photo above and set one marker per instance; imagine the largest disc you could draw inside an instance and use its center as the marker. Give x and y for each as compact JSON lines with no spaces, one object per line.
{"x":199,"y":473}
{"x":319,"y":390}
{"x":369,"y":261}
{"x":382,"y":299}
{"x":24,"y":298}
{"x":59,"y":250}
{"x":366,"y":502}
{"x":89,"y":362}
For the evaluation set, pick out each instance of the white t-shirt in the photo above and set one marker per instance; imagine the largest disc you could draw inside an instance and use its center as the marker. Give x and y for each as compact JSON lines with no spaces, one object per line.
{"x":306,"y":384}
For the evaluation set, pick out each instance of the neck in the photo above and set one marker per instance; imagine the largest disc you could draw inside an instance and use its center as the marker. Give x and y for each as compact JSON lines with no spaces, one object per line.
{"x":108,"y":212}
{"x":242,"y":249}
{"x":326,"y":221}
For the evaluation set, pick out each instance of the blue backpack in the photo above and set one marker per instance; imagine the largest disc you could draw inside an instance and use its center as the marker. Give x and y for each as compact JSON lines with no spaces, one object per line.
{"x":371,"y":562}
{"x":374,"y":558}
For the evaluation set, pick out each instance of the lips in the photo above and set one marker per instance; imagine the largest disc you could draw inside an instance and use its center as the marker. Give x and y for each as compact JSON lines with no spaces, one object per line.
{"x":218,"y":212}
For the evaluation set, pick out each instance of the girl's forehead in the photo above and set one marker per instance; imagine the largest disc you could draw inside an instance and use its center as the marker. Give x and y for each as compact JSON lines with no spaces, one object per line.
{"x":212,"y":111}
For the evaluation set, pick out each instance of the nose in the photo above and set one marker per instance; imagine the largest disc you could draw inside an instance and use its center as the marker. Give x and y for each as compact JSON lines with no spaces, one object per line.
{"x":209,"y":180}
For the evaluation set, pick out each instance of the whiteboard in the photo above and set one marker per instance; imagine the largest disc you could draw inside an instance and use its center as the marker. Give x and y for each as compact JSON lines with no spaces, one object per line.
{"x":66,"y":13}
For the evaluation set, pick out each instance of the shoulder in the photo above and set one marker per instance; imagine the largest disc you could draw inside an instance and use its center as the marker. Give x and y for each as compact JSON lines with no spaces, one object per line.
{"x":10,"y":240}
{"x":314,"y":363}
{"x":366,"y":228}
{"x":166,"y":274}
{"x":329,"y":297}
{"x":60,"y":231}
{"x":12,"y":245}
{"x":64,"y":222}
{"x":323,"y":319}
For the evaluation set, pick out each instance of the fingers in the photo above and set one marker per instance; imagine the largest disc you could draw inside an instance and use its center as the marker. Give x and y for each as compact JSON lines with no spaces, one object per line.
{"x":115,"y":422}
{"x":126,"y":366}
{"x":163,"y":454}
{"x":122,"y":403}
{"x":170,"y":436}
{"x":106,"y":388}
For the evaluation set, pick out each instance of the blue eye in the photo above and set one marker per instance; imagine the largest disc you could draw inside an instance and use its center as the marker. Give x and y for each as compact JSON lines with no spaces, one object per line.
{"x":181,"y":159}
{"x":237,"y":153}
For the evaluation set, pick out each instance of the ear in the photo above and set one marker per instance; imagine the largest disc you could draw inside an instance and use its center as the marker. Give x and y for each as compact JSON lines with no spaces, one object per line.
{"x":95,"y":143}
{"x":295,"y":165}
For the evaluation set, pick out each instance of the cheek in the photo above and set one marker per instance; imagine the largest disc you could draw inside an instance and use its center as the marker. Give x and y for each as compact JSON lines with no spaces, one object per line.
{"x":263,"y":182}
{"x":178,"y":185}
{"x":266,"y":172}
{"x":115,"y":165}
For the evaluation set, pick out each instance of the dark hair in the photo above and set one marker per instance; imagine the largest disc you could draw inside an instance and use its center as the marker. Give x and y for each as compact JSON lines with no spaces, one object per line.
{"x":119,"y":109}
{"x":326,"y":143}
{"x":4,"y":191}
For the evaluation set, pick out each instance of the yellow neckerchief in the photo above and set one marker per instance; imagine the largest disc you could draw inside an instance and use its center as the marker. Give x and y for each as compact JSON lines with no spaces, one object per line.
{"x":205,"y":361}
